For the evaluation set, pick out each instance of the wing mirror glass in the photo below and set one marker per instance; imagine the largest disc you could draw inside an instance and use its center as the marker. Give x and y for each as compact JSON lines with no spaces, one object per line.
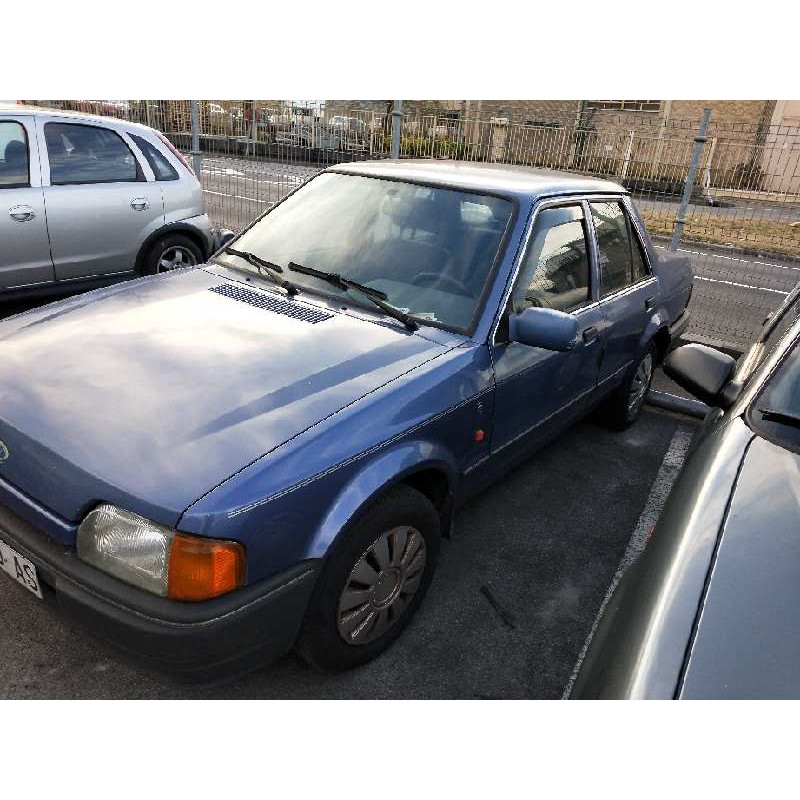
{"x":704,"y":372}
{"x":544,"y":327}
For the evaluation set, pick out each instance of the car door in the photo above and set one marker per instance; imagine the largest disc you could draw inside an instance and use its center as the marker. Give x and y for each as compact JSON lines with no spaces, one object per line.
{"x":539,"y":391}
{"x":102,"y":202}
{"x":24,"y":246}
{"x":628,"y":289}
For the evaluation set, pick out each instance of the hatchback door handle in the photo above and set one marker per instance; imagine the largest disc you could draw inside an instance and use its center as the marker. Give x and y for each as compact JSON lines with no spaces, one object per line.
{"x":650,"y":303}
{"x":589,"y":334}
{"x":140,"y":204}
{"x":21,"y":213}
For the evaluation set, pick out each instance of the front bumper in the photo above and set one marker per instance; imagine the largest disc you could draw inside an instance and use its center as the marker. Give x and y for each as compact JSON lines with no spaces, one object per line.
{"x":678,"y":328}
{"x":194,"y":643}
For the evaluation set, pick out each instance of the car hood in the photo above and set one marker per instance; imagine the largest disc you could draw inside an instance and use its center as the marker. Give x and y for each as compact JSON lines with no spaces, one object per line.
{"x":151,"y":394}
{"x":748,"y":638}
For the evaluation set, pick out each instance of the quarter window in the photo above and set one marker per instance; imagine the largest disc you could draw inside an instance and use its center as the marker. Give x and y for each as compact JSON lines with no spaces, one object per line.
{"x":88,"y":154}
{"x":622,"y":261}
{"x":555,"y":270}
{"x":162,"y":169}
{"x":14,"y":171}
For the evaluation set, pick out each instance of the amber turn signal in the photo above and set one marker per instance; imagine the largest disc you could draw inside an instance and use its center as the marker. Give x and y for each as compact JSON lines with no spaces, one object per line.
{"x":200,"y":569}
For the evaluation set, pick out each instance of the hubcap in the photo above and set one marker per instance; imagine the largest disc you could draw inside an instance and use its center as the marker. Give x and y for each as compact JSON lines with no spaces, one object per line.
{"x":381,"y":585}
{"x":641,"y":382}
{"x":174,"y":258}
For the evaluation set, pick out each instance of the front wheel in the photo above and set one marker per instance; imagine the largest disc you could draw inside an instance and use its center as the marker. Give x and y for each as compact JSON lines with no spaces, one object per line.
{"x":372,"y":583}
{"x":625,"y":403}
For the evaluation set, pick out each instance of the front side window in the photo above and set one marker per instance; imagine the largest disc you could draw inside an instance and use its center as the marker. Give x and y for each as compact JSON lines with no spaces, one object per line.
{"x":14,"y":171}
{"x":430,"y":250}
{"x":555,"y":270}
{"x":88,"y":154}
{"x":619,"y":251}
{"x":162,"y":169}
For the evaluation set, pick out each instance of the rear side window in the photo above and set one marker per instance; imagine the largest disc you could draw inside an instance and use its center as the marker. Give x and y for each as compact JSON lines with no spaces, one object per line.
{"x":622,"y":261}
{"x":162,"y":169}
{"x":14,"y":171}
{"x":555,"y":271}
{"x":88,"y":154}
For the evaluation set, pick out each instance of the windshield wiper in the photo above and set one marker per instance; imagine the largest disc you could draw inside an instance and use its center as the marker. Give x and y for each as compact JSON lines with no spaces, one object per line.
{"x":272,"y":271}
{"x":373,"y":295}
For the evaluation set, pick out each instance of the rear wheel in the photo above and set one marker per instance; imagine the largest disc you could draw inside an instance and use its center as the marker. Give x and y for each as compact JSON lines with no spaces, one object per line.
{"x":623,"y":406}
{"x":170,"y":252}
{"x":372,"y":583}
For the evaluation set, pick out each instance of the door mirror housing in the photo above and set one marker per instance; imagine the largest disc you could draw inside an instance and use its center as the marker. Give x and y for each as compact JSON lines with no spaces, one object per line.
{"x":704,"y":372}
{"x":544,"y":327}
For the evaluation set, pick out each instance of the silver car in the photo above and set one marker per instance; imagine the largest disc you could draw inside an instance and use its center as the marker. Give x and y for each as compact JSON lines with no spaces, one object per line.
{"x":92,"y":200}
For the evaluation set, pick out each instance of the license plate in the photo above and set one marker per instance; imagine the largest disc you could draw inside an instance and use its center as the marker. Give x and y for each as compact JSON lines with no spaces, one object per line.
{"x":19,"y":568}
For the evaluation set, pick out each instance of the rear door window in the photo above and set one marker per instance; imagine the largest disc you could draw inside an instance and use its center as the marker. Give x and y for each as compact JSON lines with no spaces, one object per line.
{"x":14,"y":157}
{"x":88,"y":154}
{"x":622,"y":261}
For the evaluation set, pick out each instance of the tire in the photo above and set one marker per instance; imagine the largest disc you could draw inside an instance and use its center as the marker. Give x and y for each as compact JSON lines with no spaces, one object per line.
{"x":357,"y":611}
{"x":624,"y":405}
{"x":176,"y":248}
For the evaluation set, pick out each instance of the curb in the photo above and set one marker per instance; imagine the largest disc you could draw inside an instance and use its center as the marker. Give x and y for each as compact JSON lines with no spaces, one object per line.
{"x":680,"y":405}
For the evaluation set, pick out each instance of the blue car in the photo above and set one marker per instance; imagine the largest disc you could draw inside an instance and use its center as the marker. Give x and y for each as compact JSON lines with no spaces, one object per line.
{"x":210,"y":466}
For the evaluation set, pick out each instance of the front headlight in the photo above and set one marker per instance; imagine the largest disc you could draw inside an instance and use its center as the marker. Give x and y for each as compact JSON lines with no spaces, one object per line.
{"x":159,"y":559}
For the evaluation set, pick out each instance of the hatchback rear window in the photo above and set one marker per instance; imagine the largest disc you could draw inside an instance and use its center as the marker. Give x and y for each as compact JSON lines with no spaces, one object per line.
{"x":162,"y":169}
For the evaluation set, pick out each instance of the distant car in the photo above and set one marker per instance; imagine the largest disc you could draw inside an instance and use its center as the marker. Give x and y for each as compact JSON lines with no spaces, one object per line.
{"x":208,"y":467}
{"x":88,"y":200}
{"x":711,"y":609}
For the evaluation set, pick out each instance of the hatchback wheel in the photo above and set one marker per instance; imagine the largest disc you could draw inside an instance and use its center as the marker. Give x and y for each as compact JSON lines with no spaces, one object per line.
{"x":171,"y":252}
{"x":623,"y":406}
{"x":372,"y":583}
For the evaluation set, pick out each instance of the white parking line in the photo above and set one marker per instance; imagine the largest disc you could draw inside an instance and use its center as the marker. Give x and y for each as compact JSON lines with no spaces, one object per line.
{"x":659,"y":492}
{"x":740,"y":285}
{"x":238,"y":196}
{"x":729,"y":258}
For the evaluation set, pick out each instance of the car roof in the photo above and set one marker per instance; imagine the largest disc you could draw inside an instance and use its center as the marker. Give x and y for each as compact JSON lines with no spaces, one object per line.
{"x":475,"y":176}
{"x":112,"y":122}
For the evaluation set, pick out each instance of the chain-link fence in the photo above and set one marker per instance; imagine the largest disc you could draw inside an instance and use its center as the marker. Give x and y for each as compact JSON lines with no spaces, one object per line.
{"x":742,"y":224}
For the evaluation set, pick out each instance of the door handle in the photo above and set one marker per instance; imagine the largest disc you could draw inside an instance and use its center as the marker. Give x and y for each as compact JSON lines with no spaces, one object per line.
{"x":650,"y":303}
{"x":589,"y":334}
{"x":21,"y":213}
{"x":140,"y":204}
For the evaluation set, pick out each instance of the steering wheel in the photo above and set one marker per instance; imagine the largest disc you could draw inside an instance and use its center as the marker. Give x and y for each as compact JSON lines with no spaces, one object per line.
{"x":436,"y":279}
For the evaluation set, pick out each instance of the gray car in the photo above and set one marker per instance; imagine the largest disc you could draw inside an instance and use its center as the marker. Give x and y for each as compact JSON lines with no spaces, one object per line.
{"x":712,"y":607}
{"x":92,"y":200}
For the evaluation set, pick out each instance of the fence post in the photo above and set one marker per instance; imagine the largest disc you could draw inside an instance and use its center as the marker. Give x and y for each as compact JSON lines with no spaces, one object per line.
{"x":699,"y":141}
{"x":197,"y":160}
{"x":397,"y":122}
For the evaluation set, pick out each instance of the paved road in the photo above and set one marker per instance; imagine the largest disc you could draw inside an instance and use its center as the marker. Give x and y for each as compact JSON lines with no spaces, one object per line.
{"x":546,"y":542}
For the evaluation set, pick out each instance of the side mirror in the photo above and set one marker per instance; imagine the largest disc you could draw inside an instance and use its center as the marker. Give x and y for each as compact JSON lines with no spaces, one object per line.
{"x":544,"y":327}
{"x":702,"y":371}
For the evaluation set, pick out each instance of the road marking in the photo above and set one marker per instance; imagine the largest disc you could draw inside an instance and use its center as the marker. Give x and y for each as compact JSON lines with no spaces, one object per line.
{"x":740,"y":285}
{"x":729,"y":258}
{"x":239,"y":196}
{"x":659,"y":492}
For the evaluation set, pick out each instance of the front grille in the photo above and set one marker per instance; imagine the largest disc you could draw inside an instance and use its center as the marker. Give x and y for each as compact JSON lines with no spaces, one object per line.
{"x":268,"y":303}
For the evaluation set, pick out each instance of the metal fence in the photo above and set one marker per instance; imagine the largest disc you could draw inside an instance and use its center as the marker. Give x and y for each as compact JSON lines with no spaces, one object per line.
{"x":742,"y":223}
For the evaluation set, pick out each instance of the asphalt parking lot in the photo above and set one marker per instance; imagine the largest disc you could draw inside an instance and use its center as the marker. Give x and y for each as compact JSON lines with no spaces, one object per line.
{"x":516,"y":591}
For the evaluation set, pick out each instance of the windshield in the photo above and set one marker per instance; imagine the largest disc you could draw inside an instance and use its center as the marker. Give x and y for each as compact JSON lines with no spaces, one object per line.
{"x":775,"y":413}
{"x":430,"y":250}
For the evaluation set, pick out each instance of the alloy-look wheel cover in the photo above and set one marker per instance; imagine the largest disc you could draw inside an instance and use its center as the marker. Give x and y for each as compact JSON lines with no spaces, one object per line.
{"x":381,"y":585}
{"x":175,"y":258}
{"x":640,"y":384}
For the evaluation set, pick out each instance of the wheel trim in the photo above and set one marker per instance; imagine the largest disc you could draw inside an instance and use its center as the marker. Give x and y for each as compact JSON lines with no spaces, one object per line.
{"x":640,"y":383}
{"x":381,"y":585}
{"x":175,"y":257}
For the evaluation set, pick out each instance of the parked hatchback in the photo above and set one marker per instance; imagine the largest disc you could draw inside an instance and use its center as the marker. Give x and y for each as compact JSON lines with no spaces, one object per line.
{"x":207,"y":467}
{"x":87,"y":200}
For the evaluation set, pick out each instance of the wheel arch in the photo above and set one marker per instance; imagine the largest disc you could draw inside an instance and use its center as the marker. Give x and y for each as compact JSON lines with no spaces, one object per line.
{"x":165,"y":230}
{"x":431,"y":473}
